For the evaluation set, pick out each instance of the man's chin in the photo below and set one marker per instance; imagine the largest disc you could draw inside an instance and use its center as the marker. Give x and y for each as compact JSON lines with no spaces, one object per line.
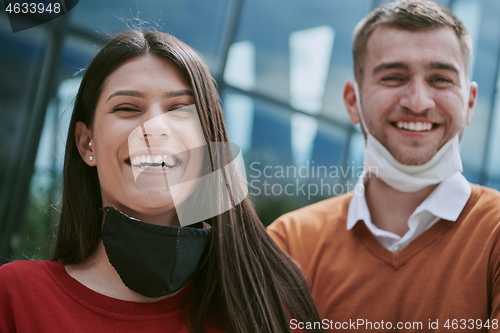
{"x":413,"y":159}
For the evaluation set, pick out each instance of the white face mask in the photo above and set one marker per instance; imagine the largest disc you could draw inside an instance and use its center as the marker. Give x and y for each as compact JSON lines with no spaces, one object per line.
{"x":409,"y":178}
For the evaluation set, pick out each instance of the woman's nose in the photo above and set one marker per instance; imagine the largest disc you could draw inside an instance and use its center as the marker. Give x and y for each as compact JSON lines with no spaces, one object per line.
{"x":157,"y":127}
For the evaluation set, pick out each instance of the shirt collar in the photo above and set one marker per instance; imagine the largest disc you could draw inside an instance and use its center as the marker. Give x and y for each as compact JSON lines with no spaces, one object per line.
{"x":447,"y":201}
{"x":358,"y":208}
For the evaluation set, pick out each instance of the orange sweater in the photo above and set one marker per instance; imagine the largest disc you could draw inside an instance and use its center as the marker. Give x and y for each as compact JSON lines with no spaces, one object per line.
{"x":443,"y":280}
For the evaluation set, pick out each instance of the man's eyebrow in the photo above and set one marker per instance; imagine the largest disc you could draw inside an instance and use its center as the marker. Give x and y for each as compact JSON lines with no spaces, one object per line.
{"x":390,"y":65}
{"x":442,"y":65}
{"x":135,"y":93}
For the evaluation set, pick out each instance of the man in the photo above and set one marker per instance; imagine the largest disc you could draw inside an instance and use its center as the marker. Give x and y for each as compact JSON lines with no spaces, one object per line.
{"x":418,"y":249}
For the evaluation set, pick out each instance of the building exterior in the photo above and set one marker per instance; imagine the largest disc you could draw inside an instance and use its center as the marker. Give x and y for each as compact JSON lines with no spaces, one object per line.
{"x":280,"y":67}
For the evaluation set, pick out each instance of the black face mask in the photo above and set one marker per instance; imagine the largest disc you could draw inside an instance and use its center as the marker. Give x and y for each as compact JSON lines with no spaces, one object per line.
{"x":152,"y":260}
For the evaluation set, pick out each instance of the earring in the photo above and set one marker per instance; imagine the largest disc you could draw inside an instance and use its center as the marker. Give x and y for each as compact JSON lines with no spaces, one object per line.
{"x":91,"y":158}
{"x":90,"y":144}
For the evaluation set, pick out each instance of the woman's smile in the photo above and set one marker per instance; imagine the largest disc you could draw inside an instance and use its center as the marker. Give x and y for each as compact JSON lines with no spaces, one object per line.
{"x":146,"y":119}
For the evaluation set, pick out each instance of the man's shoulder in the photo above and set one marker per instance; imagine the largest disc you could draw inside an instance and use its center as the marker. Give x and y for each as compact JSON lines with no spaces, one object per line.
{"x":485,"y":199}
{"x":482,"y":211}
{"x":303,"y":233}
{"x":315,"y":216}
{"x":486,"y":191}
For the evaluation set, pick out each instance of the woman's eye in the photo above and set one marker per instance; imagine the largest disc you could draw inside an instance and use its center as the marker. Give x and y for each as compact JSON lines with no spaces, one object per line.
{"x":125,"y":109}
{"x":181,"y":111}
{"x":178,"y":107}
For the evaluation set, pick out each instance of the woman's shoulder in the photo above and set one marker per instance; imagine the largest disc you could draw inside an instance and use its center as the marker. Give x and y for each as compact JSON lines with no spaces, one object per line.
{"x":26,"y":266}
{"x":23,"y":271}
{"x":22,"y":285}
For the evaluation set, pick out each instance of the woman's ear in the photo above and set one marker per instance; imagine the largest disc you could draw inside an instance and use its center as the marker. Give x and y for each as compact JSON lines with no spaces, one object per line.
{"x":84,"y":143}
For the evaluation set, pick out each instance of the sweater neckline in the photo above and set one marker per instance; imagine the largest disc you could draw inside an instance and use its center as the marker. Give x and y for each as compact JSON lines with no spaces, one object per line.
{"x":114,"y":306}
{"x":427,"y":238}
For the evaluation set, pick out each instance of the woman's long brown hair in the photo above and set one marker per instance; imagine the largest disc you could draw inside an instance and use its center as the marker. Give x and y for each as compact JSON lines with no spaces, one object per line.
{"x":245,"y":282}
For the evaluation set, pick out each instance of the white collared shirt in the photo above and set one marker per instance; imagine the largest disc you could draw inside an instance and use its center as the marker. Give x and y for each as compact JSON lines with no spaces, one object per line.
{"x":446,"y":202}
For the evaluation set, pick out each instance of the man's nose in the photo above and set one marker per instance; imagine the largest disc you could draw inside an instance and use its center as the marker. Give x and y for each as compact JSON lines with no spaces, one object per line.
{"x":417,"y":96}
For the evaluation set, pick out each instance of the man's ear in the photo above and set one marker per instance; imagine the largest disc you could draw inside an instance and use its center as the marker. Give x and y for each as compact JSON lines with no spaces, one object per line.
{"x":350,"y":101}
{"x":84,"y":143}
{"x":471,"y":102}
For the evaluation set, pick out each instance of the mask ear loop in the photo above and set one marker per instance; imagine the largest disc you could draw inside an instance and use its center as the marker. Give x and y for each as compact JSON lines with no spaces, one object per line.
{"x":360,"y":111}
{"x":365,"y":127}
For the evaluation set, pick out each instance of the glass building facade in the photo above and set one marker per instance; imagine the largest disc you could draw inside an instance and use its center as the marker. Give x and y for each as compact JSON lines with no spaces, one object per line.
{"x":280,"y":67}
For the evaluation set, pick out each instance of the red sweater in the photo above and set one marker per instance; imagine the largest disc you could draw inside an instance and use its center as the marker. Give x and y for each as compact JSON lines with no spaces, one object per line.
{"x":39,"y":296}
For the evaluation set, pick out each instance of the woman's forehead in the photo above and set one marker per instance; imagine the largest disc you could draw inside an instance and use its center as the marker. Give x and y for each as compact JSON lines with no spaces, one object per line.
{"x":148,"y":71}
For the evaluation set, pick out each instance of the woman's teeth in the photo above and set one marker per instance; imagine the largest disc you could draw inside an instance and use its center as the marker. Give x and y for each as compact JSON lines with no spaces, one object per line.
{"x":154,"y":161}
{"x":416,"y":127}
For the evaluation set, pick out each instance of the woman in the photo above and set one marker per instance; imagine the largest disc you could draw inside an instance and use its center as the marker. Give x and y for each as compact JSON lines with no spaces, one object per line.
{"x":232,"y":277}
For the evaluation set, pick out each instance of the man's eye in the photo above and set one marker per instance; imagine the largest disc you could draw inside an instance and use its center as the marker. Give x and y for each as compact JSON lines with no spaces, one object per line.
{"x":440,"y":79}
{"x":392,"y":78}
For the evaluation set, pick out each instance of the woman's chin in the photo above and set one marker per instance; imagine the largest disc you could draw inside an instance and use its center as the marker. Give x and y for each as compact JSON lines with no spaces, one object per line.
{"x":153,"y":199}
{"x":144,"y":200}
{"x":150,"y":211}
{"x":152,"y":182}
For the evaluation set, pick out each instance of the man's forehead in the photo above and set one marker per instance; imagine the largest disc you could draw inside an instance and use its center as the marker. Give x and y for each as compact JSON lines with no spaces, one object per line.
{"x":413,"y":48}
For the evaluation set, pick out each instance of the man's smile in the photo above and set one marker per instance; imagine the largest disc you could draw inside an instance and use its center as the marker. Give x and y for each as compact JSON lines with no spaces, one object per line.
{"x":414,"y":126}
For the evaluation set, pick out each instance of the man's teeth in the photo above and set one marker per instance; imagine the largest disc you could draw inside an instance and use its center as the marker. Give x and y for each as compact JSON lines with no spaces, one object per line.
{"x":416,"y":127}
{"x":154,"y":161}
